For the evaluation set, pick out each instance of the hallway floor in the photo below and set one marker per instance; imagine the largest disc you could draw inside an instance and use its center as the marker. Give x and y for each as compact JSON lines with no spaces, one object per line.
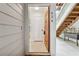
{"x":37,"y":47}
{"x":66,"y":48}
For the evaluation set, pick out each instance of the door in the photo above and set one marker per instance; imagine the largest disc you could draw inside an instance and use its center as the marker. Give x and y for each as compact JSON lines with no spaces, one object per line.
{"x":39,"y":29}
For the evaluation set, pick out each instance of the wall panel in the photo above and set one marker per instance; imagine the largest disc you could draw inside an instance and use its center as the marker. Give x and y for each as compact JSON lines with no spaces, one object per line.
{"x":11,"y":32}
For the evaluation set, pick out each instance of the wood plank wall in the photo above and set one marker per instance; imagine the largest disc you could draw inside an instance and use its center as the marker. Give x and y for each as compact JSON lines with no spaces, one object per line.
{"x":11,"y":33}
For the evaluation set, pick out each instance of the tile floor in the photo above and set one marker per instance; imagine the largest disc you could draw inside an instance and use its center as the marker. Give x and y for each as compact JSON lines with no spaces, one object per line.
{"x":66,"y":48}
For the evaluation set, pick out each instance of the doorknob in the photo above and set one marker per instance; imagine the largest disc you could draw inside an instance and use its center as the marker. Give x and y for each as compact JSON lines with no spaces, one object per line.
{"x":44,"y":32}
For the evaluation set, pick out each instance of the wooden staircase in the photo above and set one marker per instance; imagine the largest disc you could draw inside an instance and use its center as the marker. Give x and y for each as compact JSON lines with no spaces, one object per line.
{"x":71,"y":19}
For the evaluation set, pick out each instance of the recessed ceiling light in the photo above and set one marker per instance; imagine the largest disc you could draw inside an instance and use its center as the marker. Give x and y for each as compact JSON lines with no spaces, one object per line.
{"x":36,"y":8}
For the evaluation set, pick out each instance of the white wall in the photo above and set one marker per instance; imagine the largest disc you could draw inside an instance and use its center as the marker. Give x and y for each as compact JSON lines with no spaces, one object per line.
{"x":36,"y":18}
{"x":26,"y":29}
{"x":11,"y":35}
{"x":36,"y":28}
{"x":53,"y":29}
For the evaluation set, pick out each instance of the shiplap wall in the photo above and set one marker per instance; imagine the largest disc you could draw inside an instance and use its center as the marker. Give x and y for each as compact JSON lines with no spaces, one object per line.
{"x":11,"y":33}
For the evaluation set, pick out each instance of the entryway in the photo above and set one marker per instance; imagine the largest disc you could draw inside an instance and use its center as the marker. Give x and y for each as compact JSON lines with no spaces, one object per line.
{"x":39,"y":30}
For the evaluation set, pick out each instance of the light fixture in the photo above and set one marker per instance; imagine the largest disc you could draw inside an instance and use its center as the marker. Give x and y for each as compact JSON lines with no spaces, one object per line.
{"x":36,"y":8}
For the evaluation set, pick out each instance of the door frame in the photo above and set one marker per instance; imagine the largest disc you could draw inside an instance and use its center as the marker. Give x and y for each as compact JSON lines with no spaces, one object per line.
{"x":49,"y":29}
{"x":48,"y":33}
